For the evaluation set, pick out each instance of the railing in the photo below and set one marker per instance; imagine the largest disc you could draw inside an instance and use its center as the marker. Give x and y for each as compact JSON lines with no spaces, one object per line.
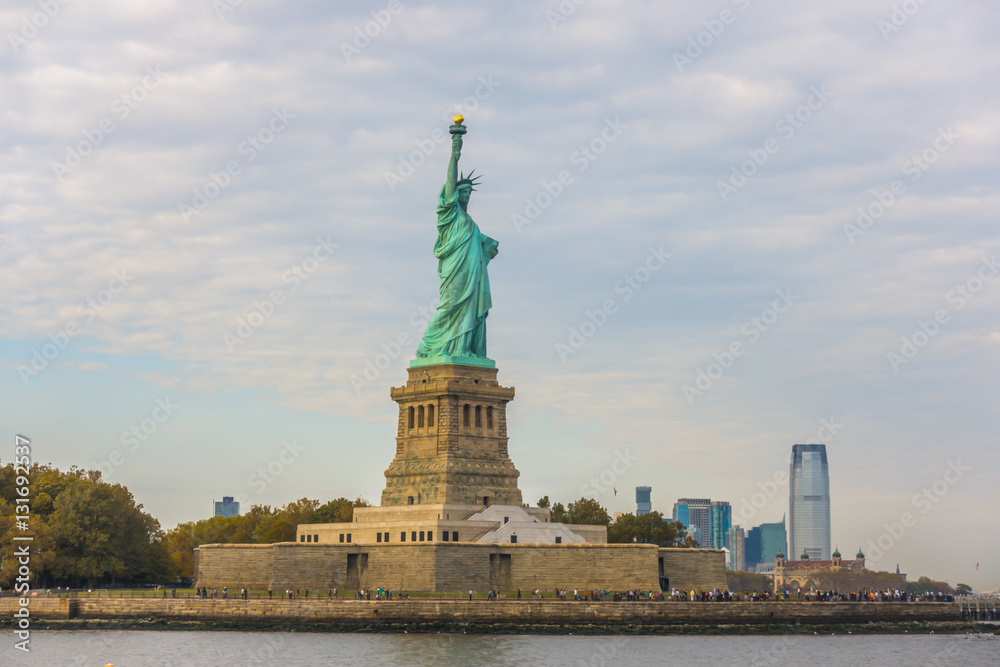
{"x":980,"y":607}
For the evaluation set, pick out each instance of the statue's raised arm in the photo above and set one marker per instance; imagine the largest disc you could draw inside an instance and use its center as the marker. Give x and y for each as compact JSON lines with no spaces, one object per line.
{"x":451,"y":182}
{"x":457,"y":330}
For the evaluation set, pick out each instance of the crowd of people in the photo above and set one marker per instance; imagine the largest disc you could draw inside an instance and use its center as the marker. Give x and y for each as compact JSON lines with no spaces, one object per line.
{"x":634,"y":595}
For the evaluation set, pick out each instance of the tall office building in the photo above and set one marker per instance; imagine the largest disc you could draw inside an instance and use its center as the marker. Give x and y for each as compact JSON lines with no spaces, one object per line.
{"x":809,"y":503}
{"x":736,"y":543}
{"x":642,"y":502}
{"x":695,"y":514}
{"x":228,"y":507}
{"x":720,"y":519}
{"x":764,"y":543}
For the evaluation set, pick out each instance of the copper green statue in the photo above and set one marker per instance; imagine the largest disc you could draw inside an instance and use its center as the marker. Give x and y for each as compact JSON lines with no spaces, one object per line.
{"x":457,"y":330}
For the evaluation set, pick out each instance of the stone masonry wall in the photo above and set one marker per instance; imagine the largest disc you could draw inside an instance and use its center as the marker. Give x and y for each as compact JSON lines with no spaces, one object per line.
{"x":694,"y":569}
{"x":507,"y":611}
{"x":431,"y":567}
{"x":234,"y":565}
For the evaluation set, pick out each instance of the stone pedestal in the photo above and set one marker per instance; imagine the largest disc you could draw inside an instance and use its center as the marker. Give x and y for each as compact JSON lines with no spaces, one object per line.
{"x":451,"y":441}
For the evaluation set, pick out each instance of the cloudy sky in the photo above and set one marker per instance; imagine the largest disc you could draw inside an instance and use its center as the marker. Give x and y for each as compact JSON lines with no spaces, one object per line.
{"x":725,"y":228}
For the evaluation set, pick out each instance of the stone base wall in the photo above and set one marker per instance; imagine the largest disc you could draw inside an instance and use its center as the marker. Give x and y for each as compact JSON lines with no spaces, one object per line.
{"x":508,"y":611}
{"x":694,"y":569}
{"x":47,"y":606}
{"x":448,"y":567}
{"x":249,"y":564}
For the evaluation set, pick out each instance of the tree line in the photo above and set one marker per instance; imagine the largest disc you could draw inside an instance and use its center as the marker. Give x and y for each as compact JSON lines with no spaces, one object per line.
{"x":651,"y":528}
{"x":88,"y":532}
{"x":83,"y":530}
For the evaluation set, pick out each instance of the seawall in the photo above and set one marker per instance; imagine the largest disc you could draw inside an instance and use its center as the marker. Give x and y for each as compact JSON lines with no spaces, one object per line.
{"x":522,"y":612}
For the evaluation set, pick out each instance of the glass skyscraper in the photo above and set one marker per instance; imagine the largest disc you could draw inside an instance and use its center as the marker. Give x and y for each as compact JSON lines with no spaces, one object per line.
{"x":642,"y":502}
{"x":695,"y":514}
{"x":720,"y":520}
{"x":764,"y":543}
{"x":736,"y":543}
{"x":809,"y":503}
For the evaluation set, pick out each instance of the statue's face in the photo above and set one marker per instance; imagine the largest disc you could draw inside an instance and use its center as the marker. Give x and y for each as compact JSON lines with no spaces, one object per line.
{"x":464,"y":194}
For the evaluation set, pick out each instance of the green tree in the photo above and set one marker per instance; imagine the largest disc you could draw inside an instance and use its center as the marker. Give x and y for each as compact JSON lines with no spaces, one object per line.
{"x":179,"y":544}
{"x":543,"y":502}
{"x":300,"y":511}
{"x":249,"y":528}
{"x":260,"y":525}
{"x":587,"y":511}
{"x":649,"y":528}
{"x":98,"y":530}
{"x":928,"y":585}
{"x":963,"y":589}
{"x":340,"y":510}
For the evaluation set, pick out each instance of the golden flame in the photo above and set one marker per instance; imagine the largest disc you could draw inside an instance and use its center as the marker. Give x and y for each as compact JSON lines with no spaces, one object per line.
{"x":459,"y":118}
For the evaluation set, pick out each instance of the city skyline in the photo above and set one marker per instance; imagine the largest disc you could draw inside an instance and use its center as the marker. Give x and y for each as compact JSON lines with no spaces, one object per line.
{"x":715,"y":241}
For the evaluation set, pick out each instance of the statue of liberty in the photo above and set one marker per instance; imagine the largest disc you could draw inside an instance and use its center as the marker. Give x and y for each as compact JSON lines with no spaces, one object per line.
{"x":458,"y":326}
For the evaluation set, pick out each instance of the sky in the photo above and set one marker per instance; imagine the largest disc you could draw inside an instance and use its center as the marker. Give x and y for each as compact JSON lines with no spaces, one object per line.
{"x":724,"y":228}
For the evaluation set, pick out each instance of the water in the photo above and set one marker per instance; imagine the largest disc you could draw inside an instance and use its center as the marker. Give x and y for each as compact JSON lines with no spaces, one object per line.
{"x":132,"y":648}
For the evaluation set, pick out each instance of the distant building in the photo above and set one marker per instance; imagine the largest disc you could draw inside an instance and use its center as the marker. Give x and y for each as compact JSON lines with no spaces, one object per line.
{"x":642,"y":502}
{"x":695,"y":514}
{"x":809,"y":502}
{"x":228,"y":507}
{"x":736,"y":543}
{"x":807,"y":572}
{"x":764,"y":543}
{"x":708,"y":521}
{"x":720,"y":520}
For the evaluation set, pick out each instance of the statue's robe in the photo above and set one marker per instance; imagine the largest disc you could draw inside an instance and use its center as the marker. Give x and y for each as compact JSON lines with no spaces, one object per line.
{"x":458,"y":326}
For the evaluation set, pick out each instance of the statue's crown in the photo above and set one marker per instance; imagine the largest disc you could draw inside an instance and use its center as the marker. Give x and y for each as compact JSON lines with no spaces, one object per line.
{"x":469,"y":180}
